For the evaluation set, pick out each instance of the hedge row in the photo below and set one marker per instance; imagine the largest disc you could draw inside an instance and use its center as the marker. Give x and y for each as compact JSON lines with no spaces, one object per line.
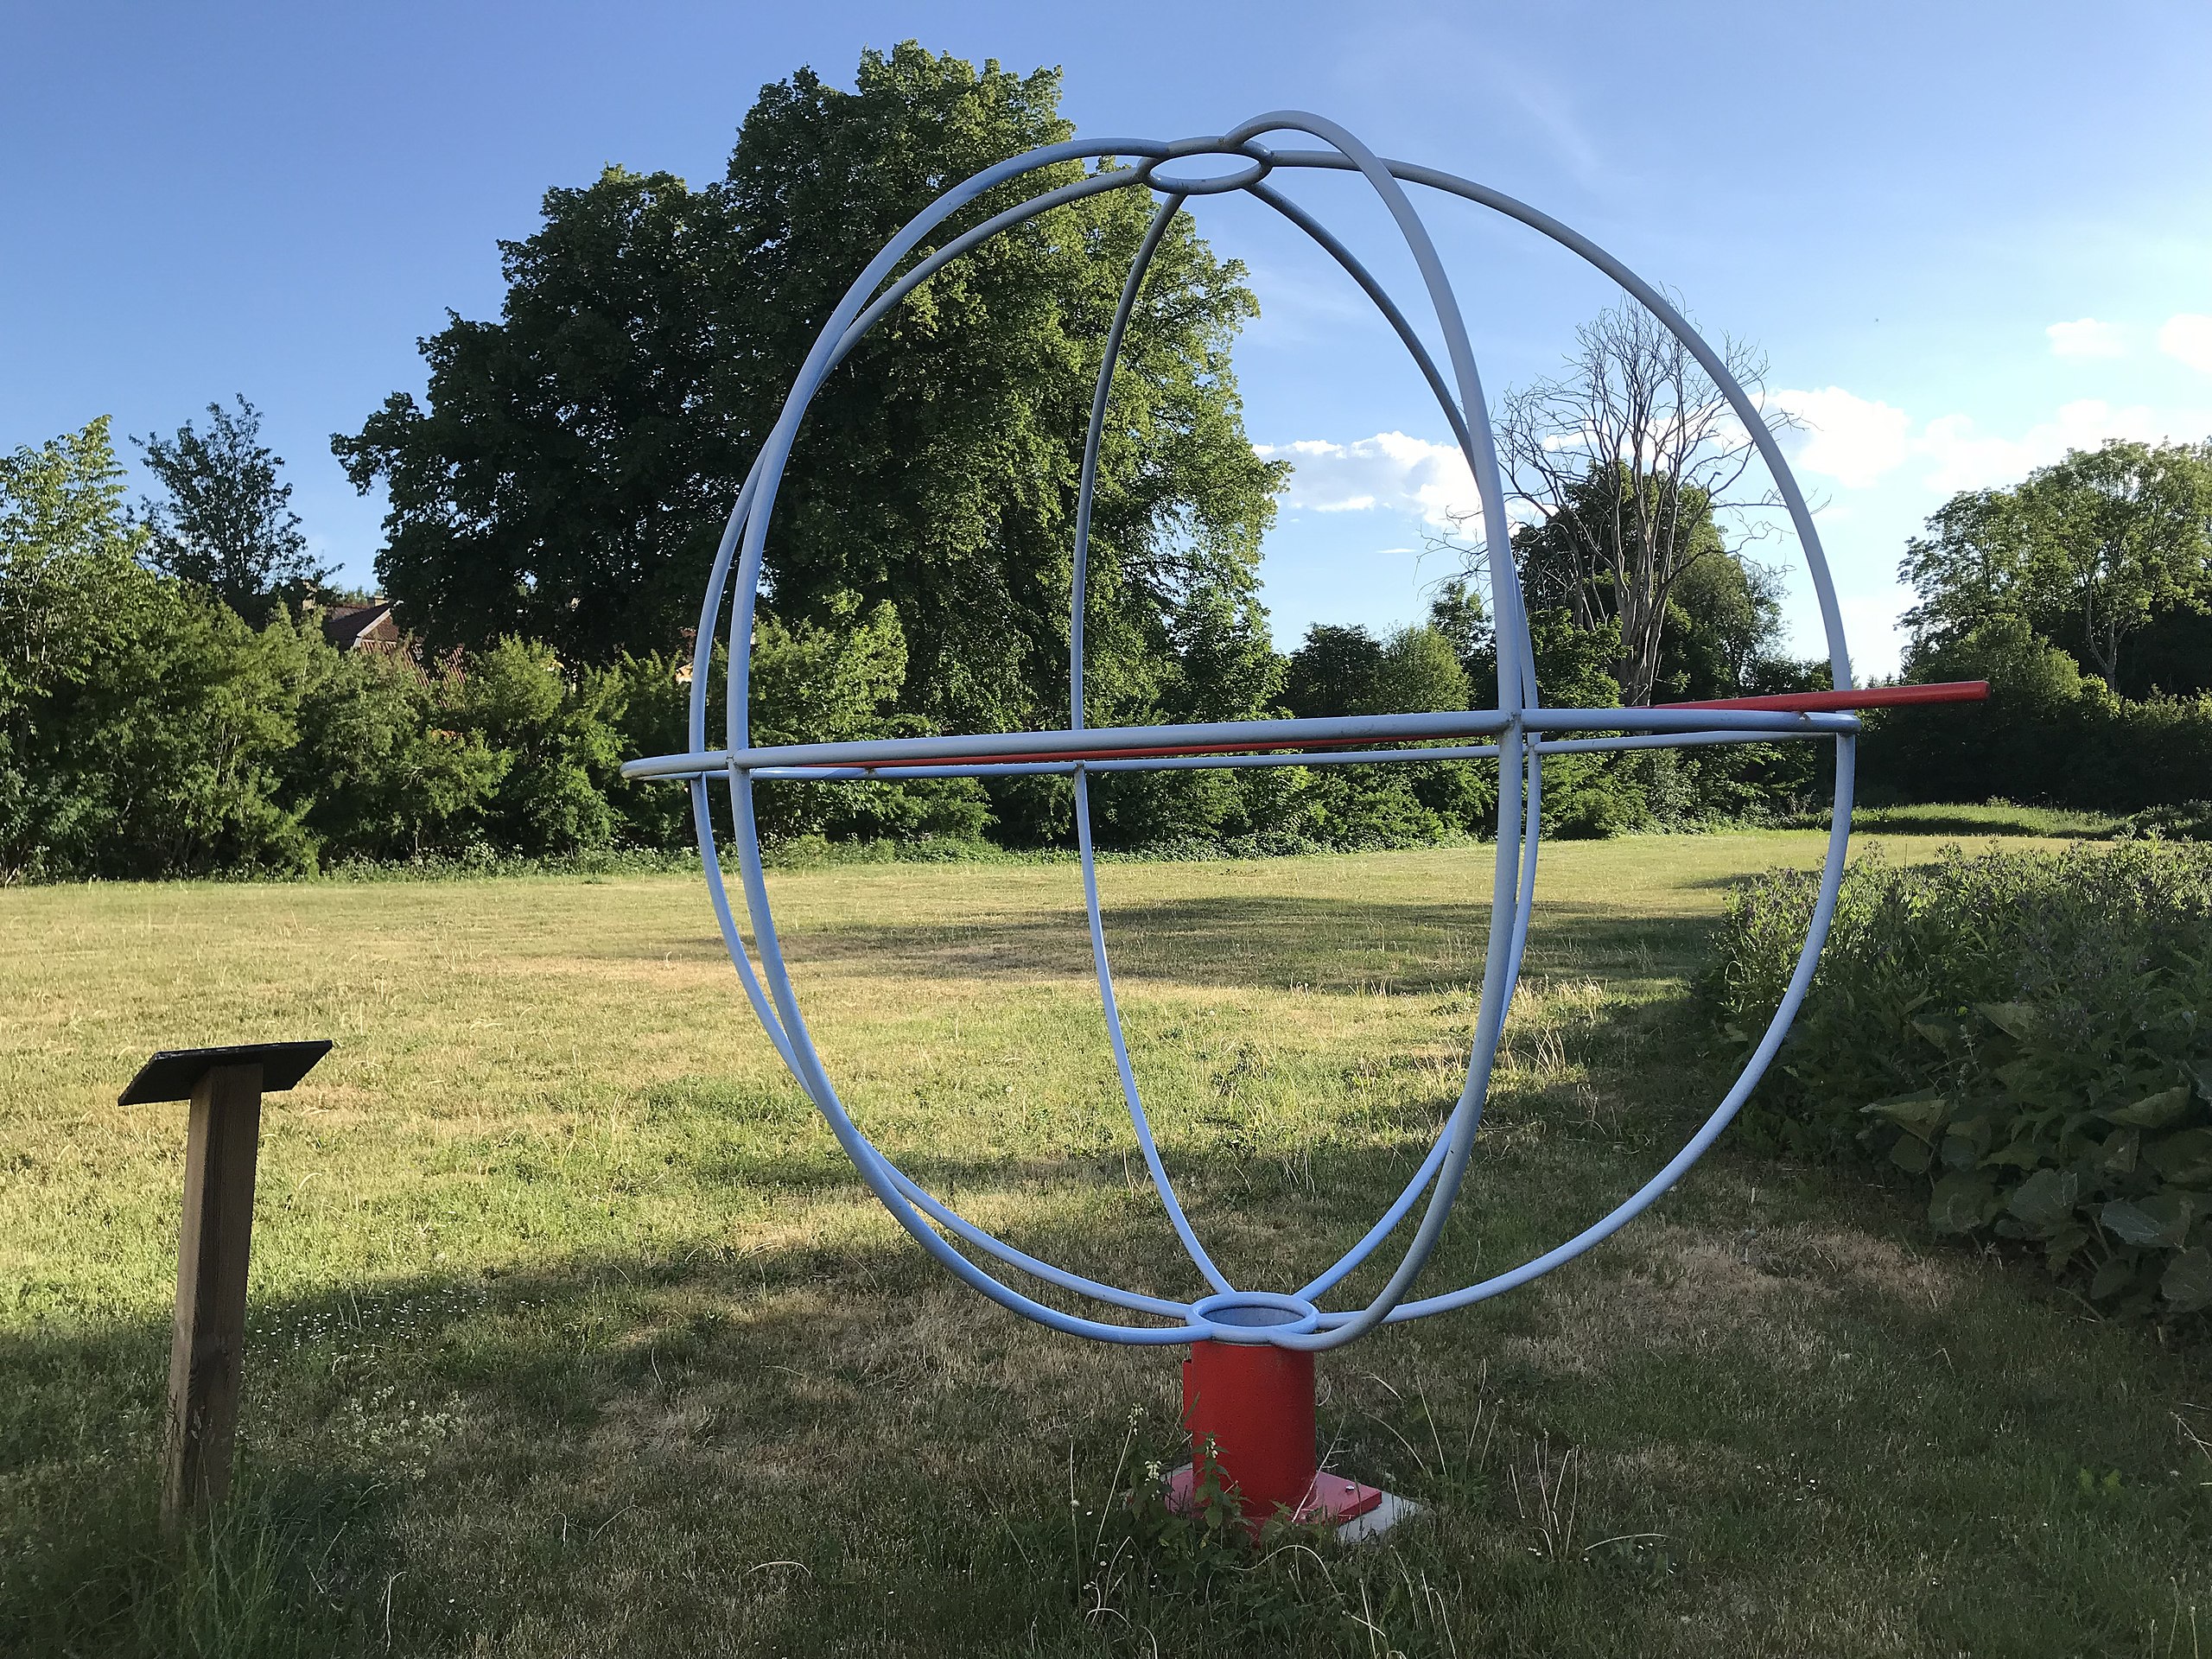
{"x":2049,"y":735}
{"x":2031,"y":1032}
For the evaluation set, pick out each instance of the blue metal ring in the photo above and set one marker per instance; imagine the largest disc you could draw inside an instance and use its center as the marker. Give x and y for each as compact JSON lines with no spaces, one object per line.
{"x":1259,"y":161}
{"x":1301,"y":1316}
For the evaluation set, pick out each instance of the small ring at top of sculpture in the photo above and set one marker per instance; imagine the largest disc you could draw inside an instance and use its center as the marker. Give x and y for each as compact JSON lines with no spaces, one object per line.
{"x":1519,"y":733}
{"x":1258,"y":161}
{"x":1253,"y":1316}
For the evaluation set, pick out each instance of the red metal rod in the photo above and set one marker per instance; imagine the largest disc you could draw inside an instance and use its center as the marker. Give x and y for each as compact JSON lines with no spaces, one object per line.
{"x":1873,"y":697}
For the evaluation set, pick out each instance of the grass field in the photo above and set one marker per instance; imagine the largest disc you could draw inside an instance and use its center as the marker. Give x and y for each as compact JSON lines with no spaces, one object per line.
{"x":572,"y":1332}
{"x":1989,"y":819}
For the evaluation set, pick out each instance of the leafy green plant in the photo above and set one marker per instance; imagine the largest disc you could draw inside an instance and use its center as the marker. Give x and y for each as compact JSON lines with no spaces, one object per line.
{"x":1152,"y":1548}
{"x":2030,"y":1033}
{"x":2183,"y":821}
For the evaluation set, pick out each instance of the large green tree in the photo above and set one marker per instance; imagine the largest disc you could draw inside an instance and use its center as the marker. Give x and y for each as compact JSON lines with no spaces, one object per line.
{"x":2088,"y":552}
{"x":224,"y":522}
{"x":1724,"y":634}
{"x":569,"y":472}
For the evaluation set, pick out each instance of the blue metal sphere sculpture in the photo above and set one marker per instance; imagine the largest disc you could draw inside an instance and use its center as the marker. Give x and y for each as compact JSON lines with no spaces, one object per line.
{"x":1518,"y":733}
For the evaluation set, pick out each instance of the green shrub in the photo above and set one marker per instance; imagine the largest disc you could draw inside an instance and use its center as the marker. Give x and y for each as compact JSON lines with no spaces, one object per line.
{"x":2049,"y":733}
{"x":2183,"y":821}
{"x":142,"y":724}
{"x":379,"y":765}
{"x":552,"y":728}
{"x":2031,"y":1032}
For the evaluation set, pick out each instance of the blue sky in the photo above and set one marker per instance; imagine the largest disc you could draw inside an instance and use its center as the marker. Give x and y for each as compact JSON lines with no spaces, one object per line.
{"x":1965,"y":235}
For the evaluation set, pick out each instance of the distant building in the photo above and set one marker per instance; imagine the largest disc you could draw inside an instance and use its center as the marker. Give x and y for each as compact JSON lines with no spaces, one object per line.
{"x":363,"y":627}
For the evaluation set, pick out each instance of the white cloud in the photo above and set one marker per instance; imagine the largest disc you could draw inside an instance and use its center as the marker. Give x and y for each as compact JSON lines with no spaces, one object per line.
{"x":2087,"y":337}
{"x":1966,"y":460}
{"x":2188,"y":337}
{"x":1389,"y":470}
{"x":1848,"y":438}
{"x":1858,"y":442}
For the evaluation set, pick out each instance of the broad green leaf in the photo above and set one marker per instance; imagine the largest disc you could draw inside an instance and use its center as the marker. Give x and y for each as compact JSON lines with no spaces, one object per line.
{"x":2059,"y":1248}
{"x":1960,"y":1203}
{"x":1913,"y":1156}
{"x":2184,"y":1159}
{"x":2017,"y":1019}
{"x":2153,"y":1111}
{"x":1959,"y":1152}
{"x":2114,"y":1276}
{"x":2187,"y":1285}
{"x":2045,"y":1198}
{"x":2159,"y":1222}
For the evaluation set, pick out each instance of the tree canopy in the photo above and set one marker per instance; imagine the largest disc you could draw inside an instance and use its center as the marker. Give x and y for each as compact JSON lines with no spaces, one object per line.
{"x":227,"y":523}
{"x":1347,"y":670}
{"x":2088,"y":552}
{"x":141,"y":722}
{"x":571,"y":468}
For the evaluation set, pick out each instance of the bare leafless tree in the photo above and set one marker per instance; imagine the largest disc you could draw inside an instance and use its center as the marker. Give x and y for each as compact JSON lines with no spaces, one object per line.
{"x":1629,"y":458}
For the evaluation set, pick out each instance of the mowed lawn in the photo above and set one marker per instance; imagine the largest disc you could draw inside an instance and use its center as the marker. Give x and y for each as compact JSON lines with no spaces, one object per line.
{"x":572,"y":1332}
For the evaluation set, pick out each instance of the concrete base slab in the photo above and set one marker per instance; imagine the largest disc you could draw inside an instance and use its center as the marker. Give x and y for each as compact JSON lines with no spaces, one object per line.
{"x":1378,"y":1520}
{"x":1356,"y":1512}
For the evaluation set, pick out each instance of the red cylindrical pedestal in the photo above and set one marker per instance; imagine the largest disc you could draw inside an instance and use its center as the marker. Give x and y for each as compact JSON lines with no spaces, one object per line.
{"x":1256,"y":1404}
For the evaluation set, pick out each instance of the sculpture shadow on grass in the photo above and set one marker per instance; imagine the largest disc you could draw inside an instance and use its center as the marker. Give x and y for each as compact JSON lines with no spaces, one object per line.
{"x":1263,"y":942}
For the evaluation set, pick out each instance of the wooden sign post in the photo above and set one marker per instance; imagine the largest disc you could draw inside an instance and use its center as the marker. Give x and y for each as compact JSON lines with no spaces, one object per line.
{"x":222,"y":1141}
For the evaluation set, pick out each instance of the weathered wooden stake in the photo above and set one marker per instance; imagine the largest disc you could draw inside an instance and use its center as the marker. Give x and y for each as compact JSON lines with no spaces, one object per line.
{"x":222,"y":1144}
{"x":221,"y":1148}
